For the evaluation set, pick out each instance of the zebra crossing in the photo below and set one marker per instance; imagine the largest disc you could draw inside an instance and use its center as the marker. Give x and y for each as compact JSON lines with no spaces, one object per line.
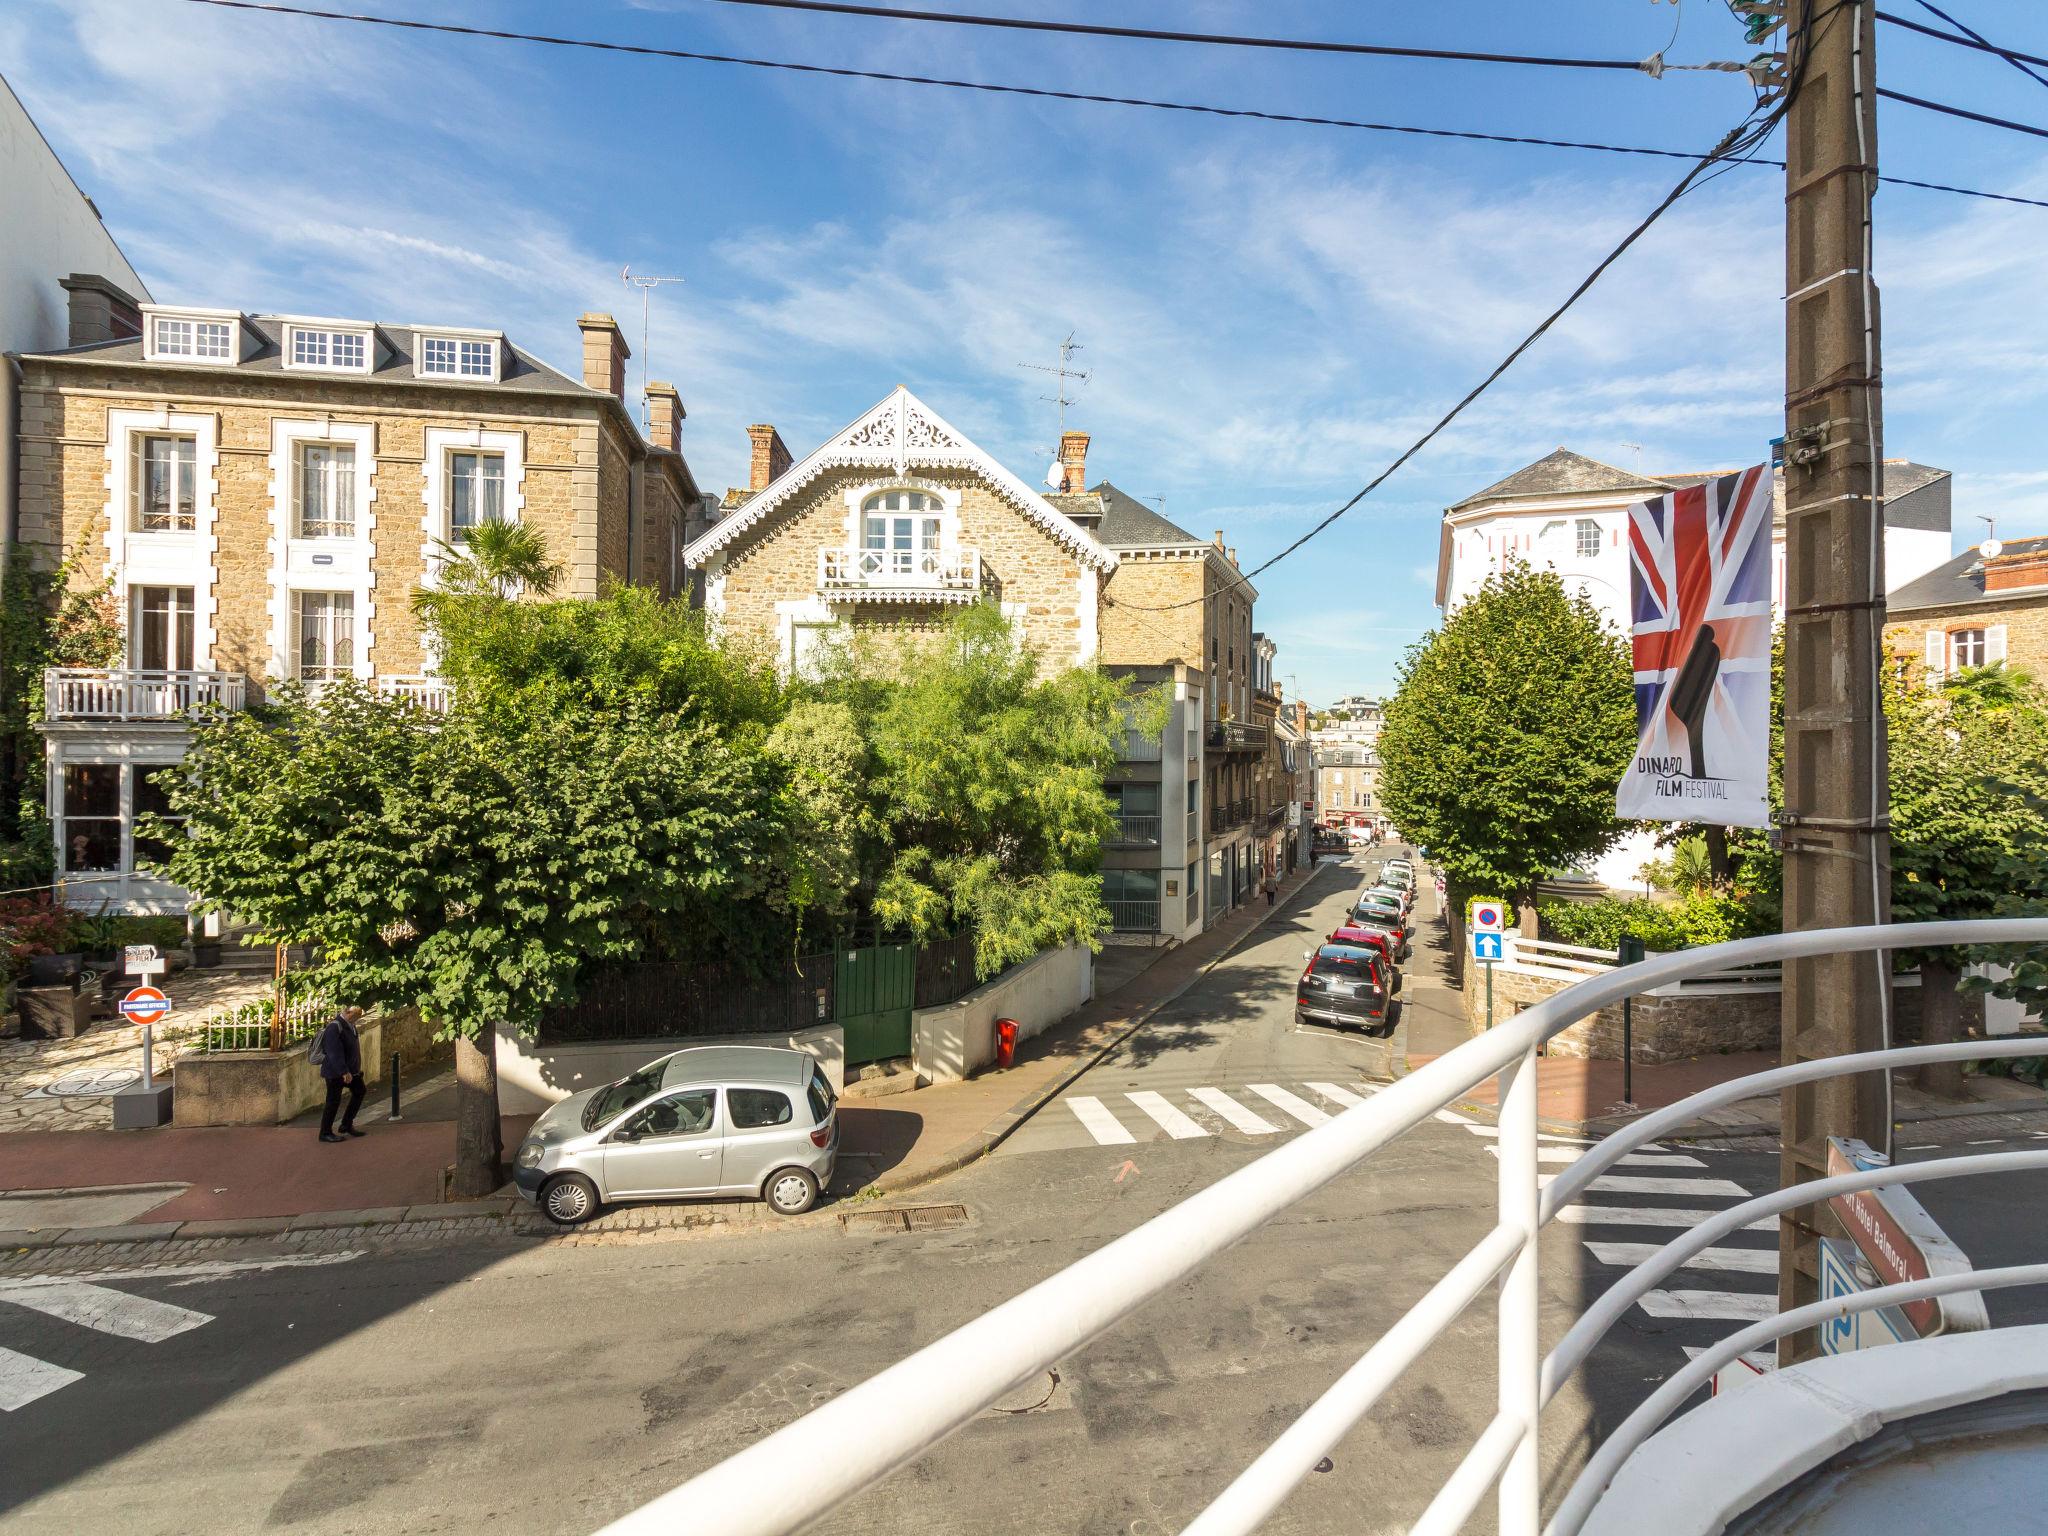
{"x":1614,"y":1224}
{"x":85,"y":1305}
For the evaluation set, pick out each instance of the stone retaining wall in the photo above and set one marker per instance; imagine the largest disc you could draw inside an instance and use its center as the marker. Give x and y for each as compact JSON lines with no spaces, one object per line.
{"x":958,"y":1039}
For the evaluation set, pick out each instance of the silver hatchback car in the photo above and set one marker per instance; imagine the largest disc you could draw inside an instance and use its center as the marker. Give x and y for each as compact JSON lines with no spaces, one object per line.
{"x":707,"y":1121}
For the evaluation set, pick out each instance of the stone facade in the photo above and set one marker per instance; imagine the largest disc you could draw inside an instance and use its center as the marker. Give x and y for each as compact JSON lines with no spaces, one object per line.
{"x":2023,"y":615}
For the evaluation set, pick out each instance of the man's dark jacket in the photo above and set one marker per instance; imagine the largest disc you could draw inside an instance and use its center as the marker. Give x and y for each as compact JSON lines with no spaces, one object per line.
{"x":341,"y":1049}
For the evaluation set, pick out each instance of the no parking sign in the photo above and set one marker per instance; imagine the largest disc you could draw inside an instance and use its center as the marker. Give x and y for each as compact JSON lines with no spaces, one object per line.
{"x":1489,"y":930}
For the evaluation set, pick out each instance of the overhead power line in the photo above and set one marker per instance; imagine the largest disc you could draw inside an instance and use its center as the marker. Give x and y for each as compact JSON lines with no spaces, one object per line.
{"x":1966,"y":39}
{"x":1964,"y":112}
{"x":1043,"y":92}
{"x":1653,"y":65}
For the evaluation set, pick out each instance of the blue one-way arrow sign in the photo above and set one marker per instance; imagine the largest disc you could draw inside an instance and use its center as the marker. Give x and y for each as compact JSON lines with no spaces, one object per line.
{"x":1486,"y":946}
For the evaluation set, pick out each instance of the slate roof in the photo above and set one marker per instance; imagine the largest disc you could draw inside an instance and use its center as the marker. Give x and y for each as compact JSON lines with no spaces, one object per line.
{"x":1961,"y":580}
{"x":1127,"y":523}
{"x":523,"y":372}
{"x":1562,"y":473}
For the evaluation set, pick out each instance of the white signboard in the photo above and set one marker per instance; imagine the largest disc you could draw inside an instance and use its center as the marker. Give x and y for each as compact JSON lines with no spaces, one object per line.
{"x":1489,"y":917}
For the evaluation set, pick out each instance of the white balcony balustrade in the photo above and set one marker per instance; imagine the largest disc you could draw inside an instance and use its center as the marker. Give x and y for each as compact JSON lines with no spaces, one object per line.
{"x":129,"y":693}
{"x":899,"y":575}
{"x":434,"y":694}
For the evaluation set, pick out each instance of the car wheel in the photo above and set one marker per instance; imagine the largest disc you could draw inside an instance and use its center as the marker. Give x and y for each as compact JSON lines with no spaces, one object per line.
{"x":569,"y":1198}
{"x":790,"y":1191}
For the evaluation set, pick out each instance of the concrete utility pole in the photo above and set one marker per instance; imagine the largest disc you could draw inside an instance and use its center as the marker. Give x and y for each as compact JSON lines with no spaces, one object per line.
{"x":1836,"y":842}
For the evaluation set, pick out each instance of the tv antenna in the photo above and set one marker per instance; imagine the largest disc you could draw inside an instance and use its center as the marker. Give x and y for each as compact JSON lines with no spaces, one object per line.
{"x":1066,"y":371}
{"x":1990,"y":547}
{"x":1637,"y":450}
{"x":646,"y":285}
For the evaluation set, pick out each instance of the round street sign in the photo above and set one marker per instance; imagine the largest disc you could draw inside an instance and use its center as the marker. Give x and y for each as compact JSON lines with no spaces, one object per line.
{"x":1488,"y":917}
{"x":145,"y":1005}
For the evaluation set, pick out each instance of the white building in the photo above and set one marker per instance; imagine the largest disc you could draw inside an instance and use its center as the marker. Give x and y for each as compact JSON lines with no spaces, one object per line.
{"x":1569,"y":513}
{"x":53,"y":232}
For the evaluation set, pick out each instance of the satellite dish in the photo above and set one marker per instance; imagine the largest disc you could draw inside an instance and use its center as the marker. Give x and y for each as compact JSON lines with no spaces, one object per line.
{"x":1990,"y":549}
{"x":1056,"y":477}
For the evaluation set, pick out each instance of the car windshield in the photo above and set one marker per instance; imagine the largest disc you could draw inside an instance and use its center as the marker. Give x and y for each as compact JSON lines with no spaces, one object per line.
{"x":1373,"y":917}
{"x":622,"y":1095}
{"x":1346,"y":961}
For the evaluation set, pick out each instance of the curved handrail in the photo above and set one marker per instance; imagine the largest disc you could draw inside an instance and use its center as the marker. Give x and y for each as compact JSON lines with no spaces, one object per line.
{"x":1614,"y":1303}
{"x":1567,"y":1186}
{"x":1601,"y":1466}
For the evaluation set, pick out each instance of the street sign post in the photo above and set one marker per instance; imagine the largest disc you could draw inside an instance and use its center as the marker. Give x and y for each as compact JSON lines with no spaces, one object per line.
{"x":148,"y":1103}
{"x":1487,"y":924}
{"x":145,"y":1005}
{"x":1845,"y":1272}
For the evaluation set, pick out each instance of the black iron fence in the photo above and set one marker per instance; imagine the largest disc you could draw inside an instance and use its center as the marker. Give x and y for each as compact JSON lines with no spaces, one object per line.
{"x":945,"y":970}
{"x":678,"y":1000}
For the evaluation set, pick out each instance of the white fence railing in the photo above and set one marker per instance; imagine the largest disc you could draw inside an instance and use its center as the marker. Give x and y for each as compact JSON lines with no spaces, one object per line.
{"x":949,"y":573}
{"x":886,"y":1422}
{"x":128,"y":693}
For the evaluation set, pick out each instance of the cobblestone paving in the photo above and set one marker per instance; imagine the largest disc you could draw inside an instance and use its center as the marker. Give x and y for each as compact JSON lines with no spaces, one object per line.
{"x":110,"y":1045}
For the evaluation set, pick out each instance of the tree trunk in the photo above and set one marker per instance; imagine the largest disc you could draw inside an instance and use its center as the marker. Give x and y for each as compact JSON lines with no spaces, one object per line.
{"x":1719,"y":864}
{"x":479,"y":1146}
{"x":1941,"y":1023}
{"x":1525,"y":916}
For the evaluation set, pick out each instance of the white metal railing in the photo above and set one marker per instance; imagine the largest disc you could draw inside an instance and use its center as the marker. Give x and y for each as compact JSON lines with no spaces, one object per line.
{"x":431,"y":693}
{"x":1540,"y":957}
{"x":886,"y":1422}
{"x":950,"y":573}
{"x":130,"y":693}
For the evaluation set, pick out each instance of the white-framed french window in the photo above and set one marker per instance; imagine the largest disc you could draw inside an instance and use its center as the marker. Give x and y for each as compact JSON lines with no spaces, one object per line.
{"x":324,"y":636}
{"x":163,"y":490}
{"x":209,"y":336}
{"x":328,"y":346}
{"x":470,"y":472}
{"x":1587,"y":533}
{"x":898,"y":523}
{"x":323,"y":528}
{"x":160,"y":629}
{"x":477,"y":356}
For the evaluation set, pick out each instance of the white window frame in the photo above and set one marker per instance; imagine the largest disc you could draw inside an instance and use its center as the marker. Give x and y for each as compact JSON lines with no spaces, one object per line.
{"x":188,"y":493}
{"x":1581,"y":528}
{"x":327,"y":563}
{"x":475,"y":357}
{"x":136,"y":624}
{"x":331,"y":669}
{"x":211,"y":338}
{"x":1980,"y":638}
{"x":478,"y":477}
{"x":331,"y":502}
{"x":441,"y":443}
{"x":184,"y":559}
{"x":328,"y":336}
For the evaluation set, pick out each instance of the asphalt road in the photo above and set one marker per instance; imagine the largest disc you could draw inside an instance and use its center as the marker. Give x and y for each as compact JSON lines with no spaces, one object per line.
{"x":551,"y":1389}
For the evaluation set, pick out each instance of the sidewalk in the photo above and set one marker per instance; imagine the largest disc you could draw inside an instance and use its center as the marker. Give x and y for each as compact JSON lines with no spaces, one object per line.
{"x":105,"y":1185}
{"x":902,"y":1142}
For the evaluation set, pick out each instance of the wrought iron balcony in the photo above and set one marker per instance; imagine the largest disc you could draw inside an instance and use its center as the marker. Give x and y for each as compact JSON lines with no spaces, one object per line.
{"x":1237,"y":736}
{"x":130,"y":693}
{"x":900,"y":575}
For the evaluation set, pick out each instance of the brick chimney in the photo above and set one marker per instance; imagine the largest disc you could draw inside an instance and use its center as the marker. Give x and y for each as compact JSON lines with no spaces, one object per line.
{"x":100,"y":310}
{"x":1074,"y":455}
{"x":665,"y":415}
{"x":771,"y":458}
{"x":2017,"y":570}
{"x":604,"y":354}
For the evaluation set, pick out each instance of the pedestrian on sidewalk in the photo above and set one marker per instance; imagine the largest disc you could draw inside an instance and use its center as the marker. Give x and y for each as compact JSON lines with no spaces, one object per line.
{"x":1272,"y":890}
{"x":340,"y":1054}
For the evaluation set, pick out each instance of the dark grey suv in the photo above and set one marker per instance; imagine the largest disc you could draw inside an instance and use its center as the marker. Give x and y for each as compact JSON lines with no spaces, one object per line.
{"x":1344,"y":984}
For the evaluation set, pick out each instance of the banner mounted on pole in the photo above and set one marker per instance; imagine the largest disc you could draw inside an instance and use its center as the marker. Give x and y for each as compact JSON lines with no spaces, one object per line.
{"x":1700,"y":598}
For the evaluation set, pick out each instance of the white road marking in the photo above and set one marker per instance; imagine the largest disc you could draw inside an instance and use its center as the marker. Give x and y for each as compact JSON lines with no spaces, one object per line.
{"x":1631,"y":1184}
{"x":1102,"y":1125}
{"x":1494,"y":1131}
{"x":107,"y":1311}
{"x":187,"y":1274}
{"x":1628,"y":1160}
{"x":1647,"y":1216}
{"x":1340,"y":1096}
{"x":1234,"y":1112}
{"x":1169,"y":1119}
{"x":1710,"y":1306}
{"x":1289,"y":1103}
{"x":1734,"y":1261}
{"x":23,"y":1379}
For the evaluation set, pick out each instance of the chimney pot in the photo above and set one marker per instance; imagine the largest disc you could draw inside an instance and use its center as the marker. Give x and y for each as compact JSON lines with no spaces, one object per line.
{"x":100,"y":310}
{"x":604,"y":354}
{"x":771,"y":457}
{"x":665,"y":415}
{"x":1219,"y":538}
{"x":1074,"y":456}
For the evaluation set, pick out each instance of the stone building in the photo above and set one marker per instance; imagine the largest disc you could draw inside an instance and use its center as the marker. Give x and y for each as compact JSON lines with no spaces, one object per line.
{"x":261,"y":495}
{"x":1988,"y":604}
{"x":1347,"y":785}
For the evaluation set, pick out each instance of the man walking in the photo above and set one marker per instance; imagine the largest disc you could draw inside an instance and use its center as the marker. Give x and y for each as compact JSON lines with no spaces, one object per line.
{"x":340,"y":1054}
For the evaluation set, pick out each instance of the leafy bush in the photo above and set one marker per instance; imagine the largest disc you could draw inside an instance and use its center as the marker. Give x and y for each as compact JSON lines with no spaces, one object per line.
{"x":1703,"y":917}
{"x":164,"y":932}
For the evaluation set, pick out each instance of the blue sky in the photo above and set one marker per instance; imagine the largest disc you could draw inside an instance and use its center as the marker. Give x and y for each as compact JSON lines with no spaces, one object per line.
{"x":1270,"y":312}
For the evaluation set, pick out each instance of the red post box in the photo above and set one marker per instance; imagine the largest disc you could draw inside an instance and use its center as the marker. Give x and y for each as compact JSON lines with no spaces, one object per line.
{"x":1006,"y":1042}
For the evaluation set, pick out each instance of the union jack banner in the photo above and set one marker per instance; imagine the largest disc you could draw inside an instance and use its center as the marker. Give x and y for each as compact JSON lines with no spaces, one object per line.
{"x":1700,"y":599}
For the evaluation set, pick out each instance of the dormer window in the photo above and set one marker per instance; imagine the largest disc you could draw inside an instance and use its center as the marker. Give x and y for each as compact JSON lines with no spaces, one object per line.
{"x":458,"y":357}
{"x":198,"y":338}
{"x":312,"y":346}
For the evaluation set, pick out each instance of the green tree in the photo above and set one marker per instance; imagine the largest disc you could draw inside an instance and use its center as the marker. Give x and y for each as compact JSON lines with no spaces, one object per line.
{"x":984,"y":784}
{"x":1507,"y":733}
{"x":1969,"y":763}
{"x":475,"y":866}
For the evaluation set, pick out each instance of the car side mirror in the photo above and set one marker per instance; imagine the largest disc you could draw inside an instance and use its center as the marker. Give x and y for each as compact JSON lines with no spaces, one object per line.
{"x":1308,"y":954}
{"x":624,"y":1135}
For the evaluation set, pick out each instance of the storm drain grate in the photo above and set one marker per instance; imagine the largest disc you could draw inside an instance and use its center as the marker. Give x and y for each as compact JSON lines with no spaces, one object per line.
{"x":902,"y":1219}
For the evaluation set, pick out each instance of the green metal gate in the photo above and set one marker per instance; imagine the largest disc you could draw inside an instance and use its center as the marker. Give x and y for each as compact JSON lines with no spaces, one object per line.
{"x":874,"y":991}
